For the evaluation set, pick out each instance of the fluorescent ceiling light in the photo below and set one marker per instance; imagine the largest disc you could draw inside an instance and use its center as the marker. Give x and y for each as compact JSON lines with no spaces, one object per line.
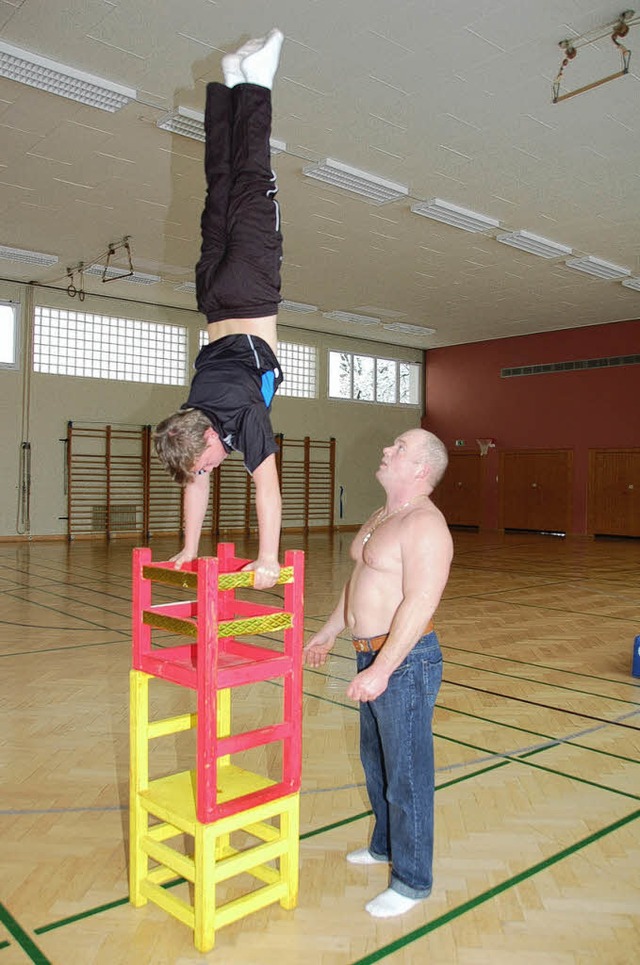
{"x":190,"y":123}
{"x":453,"y":215}
{"x":299,"y":307}
{"x":594,"y":266}
{"x":186,"y":286}
{"x":632,"y":283}
{"x":183,"y":121}
{"x":351,"y":317}
{"x":534,"y":244}
{"x":405,"y":329}
{"x":111,"y":274}
{"x":370,"y":186}
{"x":27,"y":68}
{"x":27,"y":257}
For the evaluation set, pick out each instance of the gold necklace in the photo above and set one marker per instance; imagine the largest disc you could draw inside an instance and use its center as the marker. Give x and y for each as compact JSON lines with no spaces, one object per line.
{"x":380,"y":519}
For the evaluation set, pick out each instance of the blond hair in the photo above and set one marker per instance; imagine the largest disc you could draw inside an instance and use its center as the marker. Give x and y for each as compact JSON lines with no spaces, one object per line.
{"x":179,"y":441}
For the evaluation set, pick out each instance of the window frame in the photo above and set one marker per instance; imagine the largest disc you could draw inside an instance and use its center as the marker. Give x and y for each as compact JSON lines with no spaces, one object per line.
{"x":376,"y":359}
{"x":15,"y":308}
{"x":120,"y":361}
{"x":294,"y":395}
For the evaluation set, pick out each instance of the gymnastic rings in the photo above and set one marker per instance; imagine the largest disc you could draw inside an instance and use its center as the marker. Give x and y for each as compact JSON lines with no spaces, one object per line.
{"x":72,"y":291}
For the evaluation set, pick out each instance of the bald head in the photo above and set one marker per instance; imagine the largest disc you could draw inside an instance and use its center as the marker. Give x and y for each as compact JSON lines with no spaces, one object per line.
{"x":430,"y":451}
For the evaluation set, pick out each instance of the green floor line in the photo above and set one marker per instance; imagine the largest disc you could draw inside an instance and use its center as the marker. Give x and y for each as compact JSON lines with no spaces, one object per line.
{"x":489,"y":720}
{"x":90,"y":912}
{"x":540,"y":666}
{"x":544,"y":683}
{"x":569,"y":741}
{"x":523,"y":759}
{"x":28,"y":946}
{"x":336,"y":824}
{"x":485,"y":896}
{"x":484,"y":750}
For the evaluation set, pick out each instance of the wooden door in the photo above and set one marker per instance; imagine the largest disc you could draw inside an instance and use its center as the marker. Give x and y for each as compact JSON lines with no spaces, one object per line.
{"x":613,"y":498}
{"x":535,"y":489}
{"x":459,"y":493}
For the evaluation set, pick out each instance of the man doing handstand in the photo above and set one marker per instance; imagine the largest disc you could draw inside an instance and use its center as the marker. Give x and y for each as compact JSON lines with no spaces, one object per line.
{"x":238,"y":290}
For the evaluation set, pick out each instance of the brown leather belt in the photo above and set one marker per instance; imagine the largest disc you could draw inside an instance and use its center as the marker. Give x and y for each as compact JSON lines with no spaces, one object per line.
{"x":373,"y":644}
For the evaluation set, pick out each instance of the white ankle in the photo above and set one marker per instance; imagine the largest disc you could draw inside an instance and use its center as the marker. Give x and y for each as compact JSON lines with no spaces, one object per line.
{"x":390,"y":903}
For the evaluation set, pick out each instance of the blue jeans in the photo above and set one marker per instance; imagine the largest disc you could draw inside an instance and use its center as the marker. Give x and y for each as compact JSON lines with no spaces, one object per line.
{"x":396,"y":750}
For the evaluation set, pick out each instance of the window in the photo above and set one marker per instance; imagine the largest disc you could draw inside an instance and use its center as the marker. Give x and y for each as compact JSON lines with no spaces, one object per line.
{"x":104,"y":347}
{"x":299,"y":367}
{"x":8,"y":335}
{"x":364,"y":378}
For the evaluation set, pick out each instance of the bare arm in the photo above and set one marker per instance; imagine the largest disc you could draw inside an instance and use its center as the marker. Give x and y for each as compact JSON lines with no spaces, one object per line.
{"x":269,"y":510}
{"x":196,"y":500}
{"x":318,"y":647}
{"x":426,"y":550}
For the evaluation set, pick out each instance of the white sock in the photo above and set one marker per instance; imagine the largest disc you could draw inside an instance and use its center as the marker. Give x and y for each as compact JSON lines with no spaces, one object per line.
{"x":232,"y":63}
{"x":231,"y":70}
{"x":260,"y":66}
{"x":364,"y":856}
{"x":390,"y":903}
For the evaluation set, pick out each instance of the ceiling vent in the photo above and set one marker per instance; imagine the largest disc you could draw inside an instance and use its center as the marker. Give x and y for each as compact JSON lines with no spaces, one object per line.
{"x":632,"y":283}
{"x":36,"y":71}
{"x":598,"y":268}
{"x":534,"y":244}
{"x":352,"y":318}
{"x":404,"y":328}
{"x":455,"y":216}
{"x":27,"y":257}
{"x":299,"y":307}
{"x":339,"y":175}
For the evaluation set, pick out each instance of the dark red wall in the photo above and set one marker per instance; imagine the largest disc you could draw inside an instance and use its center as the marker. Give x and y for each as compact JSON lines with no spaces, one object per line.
{"x":467,"y":399}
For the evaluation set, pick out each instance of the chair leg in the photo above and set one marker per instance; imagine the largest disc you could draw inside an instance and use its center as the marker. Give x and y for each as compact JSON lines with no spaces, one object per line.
{"x":290,"y":826}
{"x":204,"y":903}
{"x":138,"y":781}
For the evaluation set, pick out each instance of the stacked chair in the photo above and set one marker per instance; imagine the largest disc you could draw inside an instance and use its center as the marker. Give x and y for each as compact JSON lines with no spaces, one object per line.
{"x":200,"y":832}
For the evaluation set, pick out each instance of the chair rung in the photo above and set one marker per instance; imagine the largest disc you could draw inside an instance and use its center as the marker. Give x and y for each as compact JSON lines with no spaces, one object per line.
{"x":186,"y":628}
{"x":170,"y":577}
{"x":180,"y":864}
{"x":231,"y":581}
{"x":275,"y":621}
{"x":189,"y":581}
{"x":240,"y":907}
{"x":244,"y":861}
{"x":170,"y":903}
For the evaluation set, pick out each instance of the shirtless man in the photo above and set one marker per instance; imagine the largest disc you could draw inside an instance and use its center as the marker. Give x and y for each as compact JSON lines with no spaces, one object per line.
{"x":238,"y":290}
{"x":402,"y":556}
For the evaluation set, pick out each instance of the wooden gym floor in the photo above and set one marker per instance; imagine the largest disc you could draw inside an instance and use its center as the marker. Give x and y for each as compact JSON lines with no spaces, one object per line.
{"x":537,"y":751}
